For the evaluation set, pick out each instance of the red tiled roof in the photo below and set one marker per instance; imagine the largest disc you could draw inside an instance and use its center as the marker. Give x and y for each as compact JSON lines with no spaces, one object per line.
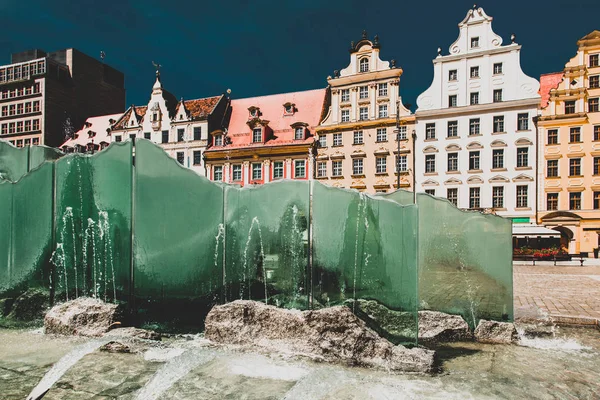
{"x":308,"y":109}
{"x":547,"y":83}
{"x":122,"y":122}
{"x":200,"y":108}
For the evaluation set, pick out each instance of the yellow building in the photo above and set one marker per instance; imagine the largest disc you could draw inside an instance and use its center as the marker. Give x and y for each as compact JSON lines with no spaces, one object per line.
{"x":569,"y":151}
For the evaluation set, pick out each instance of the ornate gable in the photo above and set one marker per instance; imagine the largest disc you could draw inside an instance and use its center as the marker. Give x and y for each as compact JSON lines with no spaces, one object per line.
{"x":474,"y":180}
{"x":522,"y":178}
{"x":430,"y":182}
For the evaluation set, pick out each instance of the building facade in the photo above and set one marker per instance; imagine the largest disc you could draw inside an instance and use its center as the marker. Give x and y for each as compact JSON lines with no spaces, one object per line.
{"x":43,"y":94}
{"x":475,"y":125}
{"x":358,"y":146}
{"x":569,"y":151}
{"x":267,"y":138}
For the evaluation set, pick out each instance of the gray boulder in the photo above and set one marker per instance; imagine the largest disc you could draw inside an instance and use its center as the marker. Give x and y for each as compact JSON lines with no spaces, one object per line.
{"x":83,"y":316}
{"x":116,"y":347}
{"x":333,"y":334}
{"x":496,"y":332}
{"x":30,"y":305}
{"x":135,"y":333}
{"x":437,"y":327}
{"x":393,"y":325}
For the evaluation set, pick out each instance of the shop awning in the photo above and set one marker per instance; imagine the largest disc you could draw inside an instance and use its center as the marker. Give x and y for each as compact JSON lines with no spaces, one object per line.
{"x":522,"y":230}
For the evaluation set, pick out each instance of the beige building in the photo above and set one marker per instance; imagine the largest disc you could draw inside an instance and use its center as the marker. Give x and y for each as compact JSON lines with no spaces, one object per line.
{"x":357,"y":140}
{"x":569,"y":151}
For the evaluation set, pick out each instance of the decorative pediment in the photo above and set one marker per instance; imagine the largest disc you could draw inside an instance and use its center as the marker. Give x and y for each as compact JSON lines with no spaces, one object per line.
{"x":254,"y":112}
{"x":498,"y":143}
{"x":499,"y":179}
{"x":299,"y":125}
{"x":522,"y":178}
{"x":430,"y":149}
{"x":254,"y":122}
{"x":474,"y":146}
{"x":358,"y":154}
{"x":524,"y":142}
{"x":382,"y":151}
{"x":474,"y":180}
{"x":337,"y":156}
{"x":453,"y":147}
{"x":289,"y":108}
{"x":453,"y":181}
{"x":430,"y":182}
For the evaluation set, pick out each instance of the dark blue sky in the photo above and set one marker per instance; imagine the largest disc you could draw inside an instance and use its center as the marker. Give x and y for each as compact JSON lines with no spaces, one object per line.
{"x":263,"y":47}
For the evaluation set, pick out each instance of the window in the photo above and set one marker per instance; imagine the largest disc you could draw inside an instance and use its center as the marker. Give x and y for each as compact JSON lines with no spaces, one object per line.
{"x":236,"y":172}
{"x":197,"y":157}
{"x":474,"y":98}
{"x":36,"y":141}
{"x":345,"y":95}
{"x":497,"y":68}
{"x":452,"y":128}
{"x":11,"y":127}
{"x":552,"y":136}
{"x":345,"y":115}
{"x":522,"y":157}
{"x":597,"y":133}
{"x":357,"y":166}
{"x":180,"y":157}
{"x":522,"y":196}
{"x":498,"y":123}
{"x":593,"y":104}
{"x":218,"y":140}
{"x":474,"y":126}
{"x":288,"y":109}
{"x":575,"y":135}
{"x":475,"y":42}
{"x":474,"y":160}
{"x":452,"y":100}
{"x":257,"y":135}
{"x":277,"y":170}
{"x":11,"y":109}
{"x":321,"y":169}
{"x":430,"y":131}
{"x":497,"y":95}
{"x":383,"y":110}
{"x":364,"y":64}
{"x":4,"y":129}
{"x":363,"y":113}
{"x":337,"y":139}
{"x":322,"y":141}
{"x":498,"y":197}
{"x":452,"y":196}
{"x":118,"y":138}
{"x":401,"y":163}
{"x":20,"y":143}
{"x":132,"y":136}
{"x":147,"y":135}
{"x":19,"y":126}
{"x":452,"y":161}
{"x":383,"y":89}
{"x":19,"y":108}
{"x":363,"y":92}
{"x":596,"y":200}
{"x":452,"y":75}
{"x":570,"y":107}
{"x":401,"y":135}
{"x":36,"y":106}
{"x":165,"y":136}
{"x":474,"y":72}
{"x":430,"y":163}
{"x":218,"y":173}
{"x":497,"y":158}
{"x":4,"y":111}
{"x":593,"y":60}
{"x":299,"y":134}
{"x":430,"y":192}
{"x":35,"y":125}
{"x":523,"y":122}
{"x":180,"y":134}
{"x":575,"y":201}
{"x":197,"y":133}
{"x":594,"y":81}
{"x":552,"y":168}
{"x":27,"y":142}
{"x":358,"y":137}
{"x":381,"y":165}
{"x":336,"y":168}
{"x":300,"y":169}
{"x":256,"y":171}
{"x":552,"y":201}
{"x":474,"y":197}
{"x":575,"y":167}
{"x":381,"y":134}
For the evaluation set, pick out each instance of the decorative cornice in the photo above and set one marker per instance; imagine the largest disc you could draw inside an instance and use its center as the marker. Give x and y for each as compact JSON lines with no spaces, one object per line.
{"x":479,"y":108}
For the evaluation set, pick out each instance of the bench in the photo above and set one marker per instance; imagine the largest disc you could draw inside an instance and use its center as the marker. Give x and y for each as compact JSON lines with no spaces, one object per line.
{"x":560,"y":257}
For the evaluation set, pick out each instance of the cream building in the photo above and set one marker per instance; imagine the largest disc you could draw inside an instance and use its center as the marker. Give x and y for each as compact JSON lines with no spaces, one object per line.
{"x":357,"y":143}
{"x":475,"y":128}
{"x":569,"y":151}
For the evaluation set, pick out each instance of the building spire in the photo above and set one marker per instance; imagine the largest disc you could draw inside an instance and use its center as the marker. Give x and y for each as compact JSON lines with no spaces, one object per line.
{"x":157,"y":84}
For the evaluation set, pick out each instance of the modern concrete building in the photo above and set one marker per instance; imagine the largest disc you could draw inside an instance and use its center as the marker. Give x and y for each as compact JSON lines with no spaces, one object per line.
{"x":267,"y":138}
{"x":475,"y":125}
{"x":569,"y":150}
{"x":357,"y":143}
{"x":44,"y":95}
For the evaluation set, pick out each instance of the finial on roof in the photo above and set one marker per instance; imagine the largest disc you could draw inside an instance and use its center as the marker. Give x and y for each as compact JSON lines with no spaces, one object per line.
{"x":393,"y":62}
{"x":351,"y":44}
{"x":474,"y":6}
{"x":376,"y":39}
{"x":512,"y":37}
{"x":364,"y":35}
{"x":439,"y":51}
{"x":157,"y":66}
{"x":336,"y":73}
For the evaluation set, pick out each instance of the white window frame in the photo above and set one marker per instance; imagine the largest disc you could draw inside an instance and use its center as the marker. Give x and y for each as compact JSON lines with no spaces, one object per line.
{"x":383,"y":89}
{"x":381,"y":135}
{"x":257,"y":172}
{"x":278,"y":170}
{"x":357,"y":166}
{"x":299,"y":166}
{"x":336,"y":168}
{"x":337,"y":139}
{"x":381,"y":165}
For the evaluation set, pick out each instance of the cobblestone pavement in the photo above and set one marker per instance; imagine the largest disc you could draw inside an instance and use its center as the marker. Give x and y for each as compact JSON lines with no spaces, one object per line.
{"x":560,"y":291}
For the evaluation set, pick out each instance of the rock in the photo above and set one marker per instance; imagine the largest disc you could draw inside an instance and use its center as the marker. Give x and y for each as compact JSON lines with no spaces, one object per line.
{"x":30,"y":305}
{"x":395,"y":326}
{"x":534,"y":331}
{"x":333,"y":334}
{"x":437,"y":327}
{"x":5,"y":306}
{"x":83,"y":316}
{"x":133,"y":333}
{"x":496,"y":332}
{"x":116,"y":347}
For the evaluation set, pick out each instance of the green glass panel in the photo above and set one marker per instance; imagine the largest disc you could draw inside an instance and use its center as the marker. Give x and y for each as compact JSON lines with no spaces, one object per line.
{"x":178,"y":236}
{"x":93,"y":223}
{"x":13,"y":161}
{"x":6,"y":203}
{"x":267,"y":243}
{"x":40,"y":154}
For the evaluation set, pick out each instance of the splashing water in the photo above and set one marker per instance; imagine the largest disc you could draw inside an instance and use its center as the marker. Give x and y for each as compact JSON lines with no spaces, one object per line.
{"x":221,"y":236}
{"x":256,"y":223}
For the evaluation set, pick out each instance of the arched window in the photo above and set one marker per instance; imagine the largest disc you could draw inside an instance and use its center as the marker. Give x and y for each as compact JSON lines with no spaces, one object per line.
{"x":364,"y":64}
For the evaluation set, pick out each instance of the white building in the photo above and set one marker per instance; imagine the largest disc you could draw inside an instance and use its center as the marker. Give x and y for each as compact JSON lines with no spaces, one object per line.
{"x":476,"y":139}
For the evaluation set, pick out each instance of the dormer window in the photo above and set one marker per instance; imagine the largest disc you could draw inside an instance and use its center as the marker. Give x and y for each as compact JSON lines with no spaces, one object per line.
{"x":155,"y":117}
{"x":219,"y":140}
{"x":257,"y":135}
{"x":288,"y":109}
{"x":475,"y":42}
{"x":299,"y":133}
{"x":364,"y":64}
{"x":254,"y":112}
